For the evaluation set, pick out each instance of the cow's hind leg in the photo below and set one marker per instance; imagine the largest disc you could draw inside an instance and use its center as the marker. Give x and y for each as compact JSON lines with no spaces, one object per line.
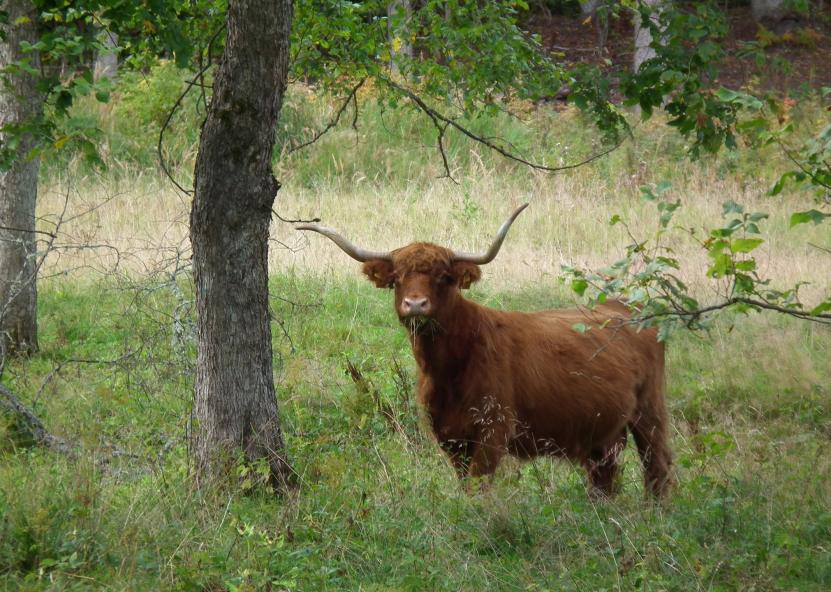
{"x":650,"y":432}
{"x":603,"y":467}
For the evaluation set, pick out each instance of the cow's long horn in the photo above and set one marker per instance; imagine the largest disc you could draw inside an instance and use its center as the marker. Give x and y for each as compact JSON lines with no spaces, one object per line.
{"x":356,"y":253}
{"x":488,"y":256}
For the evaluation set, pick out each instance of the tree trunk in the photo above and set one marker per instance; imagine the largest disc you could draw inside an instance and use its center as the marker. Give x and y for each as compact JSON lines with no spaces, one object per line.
{"x":20,"y":103}
{"x":589,"y":7}
{"x":643,"y":36}
{"x":399,"y":15}
{"x":776,"y":15}
{"x":236,"y":406}
{"x":600,"y":12}
{"x":106,"y":59}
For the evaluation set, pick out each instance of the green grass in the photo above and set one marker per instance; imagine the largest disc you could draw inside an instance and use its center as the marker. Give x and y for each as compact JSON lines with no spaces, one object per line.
{"x":377,"y":507}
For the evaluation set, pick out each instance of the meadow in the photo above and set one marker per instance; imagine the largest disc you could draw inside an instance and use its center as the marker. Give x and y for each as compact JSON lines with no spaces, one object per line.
{"x":377,"y":507}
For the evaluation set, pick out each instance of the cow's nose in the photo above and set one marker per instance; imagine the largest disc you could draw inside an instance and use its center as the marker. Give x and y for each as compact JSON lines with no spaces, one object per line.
{"x":415,"y":306}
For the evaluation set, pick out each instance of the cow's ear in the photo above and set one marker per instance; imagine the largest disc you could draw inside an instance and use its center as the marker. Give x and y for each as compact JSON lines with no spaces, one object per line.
{"x":466,"y":273}
{"x":380,"y":272}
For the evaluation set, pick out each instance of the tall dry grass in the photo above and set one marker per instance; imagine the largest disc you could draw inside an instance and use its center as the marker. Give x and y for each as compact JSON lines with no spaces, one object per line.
{"x":137,"y":224}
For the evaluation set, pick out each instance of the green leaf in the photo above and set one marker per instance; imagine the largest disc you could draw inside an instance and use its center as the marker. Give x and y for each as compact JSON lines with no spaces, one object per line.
{"x":742,"y":99}
{"x":745,"y":245}
{"x":579,"y":286}
{"x":757,"y":124}
{"x":731,"y":207}
{"x":821,"y":308}
{"x":717,"y":247}
{"x":662,"y":187}
{"x":797,"y":177}
{"x":580,"y":327}
{"x":721,"y":266}
{"x":814,"y":216}
{"x":61,"y":141}
{"x":744,"y":283}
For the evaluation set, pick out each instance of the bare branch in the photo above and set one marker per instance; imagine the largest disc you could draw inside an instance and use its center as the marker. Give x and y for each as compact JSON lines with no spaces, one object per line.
{"x":57,"y":369}
{"x":436,"y":116}
{"x":802,"y":167}
{"x":821,"y":248}
{"x":49,"y":234}
{"x":691,"y":315}
{"x":440,"y":142}
{"x":189,"y":85}
{"x":351,"y":98}
{"x":289,"y":221}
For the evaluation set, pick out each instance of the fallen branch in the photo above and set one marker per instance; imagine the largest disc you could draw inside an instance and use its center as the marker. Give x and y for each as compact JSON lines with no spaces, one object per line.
{"x":31,"y":426}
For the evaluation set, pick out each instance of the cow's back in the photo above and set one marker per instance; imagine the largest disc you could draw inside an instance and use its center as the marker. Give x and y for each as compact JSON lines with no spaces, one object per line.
{"x":573,"y":375}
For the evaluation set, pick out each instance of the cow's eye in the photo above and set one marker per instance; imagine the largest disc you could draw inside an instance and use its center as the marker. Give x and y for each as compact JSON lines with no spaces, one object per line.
{"x":447,"y":279}
{"x":395,"y":282}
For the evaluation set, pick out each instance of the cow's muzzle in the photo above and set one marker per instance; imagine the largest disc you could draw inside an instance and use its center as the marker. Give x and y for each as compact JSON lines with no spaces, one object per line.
{"x":415,"y":307}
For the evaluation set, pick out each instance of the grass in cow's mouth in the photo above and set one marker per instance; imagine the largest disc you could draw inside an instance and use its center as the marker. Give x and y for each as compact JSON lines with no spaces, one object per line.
{"x":419,"y":326}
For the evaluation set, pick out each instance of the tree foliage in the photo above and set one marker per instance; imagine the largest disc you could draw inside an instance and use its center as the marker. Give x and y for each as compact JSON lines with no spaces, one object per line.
{"x":470,"y":58}
{"x":71,"y":33}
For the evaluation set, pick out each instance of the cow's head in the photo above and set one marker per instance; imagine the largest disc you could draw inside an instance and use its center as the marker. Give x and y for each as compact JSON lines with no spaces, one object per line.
{"x":427,"y":278}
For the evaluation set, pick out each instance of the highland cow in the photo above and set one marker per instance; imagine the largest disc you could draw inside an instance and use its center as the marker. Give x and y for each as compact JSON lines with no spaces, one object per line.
{"x":497,"y":382}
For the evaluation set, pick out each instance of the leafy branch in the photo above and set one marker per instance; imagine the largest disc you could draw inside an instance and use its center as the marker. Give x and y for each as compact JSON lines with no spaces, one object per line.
{"x":647,"y":277}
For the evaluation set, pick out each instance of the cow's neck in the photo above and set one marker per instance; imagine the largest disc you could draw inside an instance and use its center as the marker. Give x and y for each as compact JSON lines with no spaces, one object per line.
{"x":447,"y":349}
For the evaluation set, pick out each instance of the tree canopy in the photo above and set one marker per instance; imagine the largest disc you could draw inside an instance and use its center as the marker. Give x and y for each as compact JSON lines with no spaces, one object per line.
{"x":453,"y":61}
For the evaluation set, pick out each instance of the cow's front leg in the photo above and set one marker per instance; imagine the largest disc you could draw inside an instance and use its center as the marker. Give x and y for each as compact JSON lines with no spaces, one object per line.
{"x":459,"y":453}
{"x":487,"y":452}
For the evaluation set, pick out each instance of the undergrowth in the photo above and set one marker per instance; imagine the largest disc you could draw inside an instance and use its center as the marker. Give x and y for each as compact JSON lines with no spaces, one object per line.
{"x":377,"y":506}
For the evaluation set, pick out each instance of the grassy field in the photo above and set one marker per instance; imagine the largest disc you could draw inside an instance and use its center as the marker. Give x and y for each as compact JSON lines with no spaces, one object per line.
{"x":377,"y":507}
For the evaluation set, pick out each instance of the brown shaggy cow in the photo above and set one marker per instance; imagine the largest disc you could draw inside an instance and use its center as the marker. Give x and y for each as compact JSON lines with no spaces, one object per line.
{"x":496,"y":382}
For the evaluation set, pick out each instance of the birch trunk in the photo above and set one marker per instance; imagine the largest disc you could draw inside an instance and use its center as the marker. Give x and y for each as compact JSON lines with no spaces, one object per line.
{"x":776,"y":15}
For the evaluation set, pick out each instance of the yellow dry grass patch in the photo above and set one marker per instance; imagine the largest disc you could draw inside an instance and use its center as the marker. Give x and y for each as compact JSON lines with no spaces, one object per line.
{"x":139,"y":224}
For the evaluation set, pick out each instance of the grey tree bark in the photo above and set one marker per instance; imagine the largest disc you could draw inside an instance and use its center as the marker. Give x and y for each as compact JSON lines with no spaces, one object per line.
{"x":643,"y":36}
{"x":20,"y":102}
{"x":106,"y":60}
{"x":236,"y":415}
{"x":589,"y":7}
